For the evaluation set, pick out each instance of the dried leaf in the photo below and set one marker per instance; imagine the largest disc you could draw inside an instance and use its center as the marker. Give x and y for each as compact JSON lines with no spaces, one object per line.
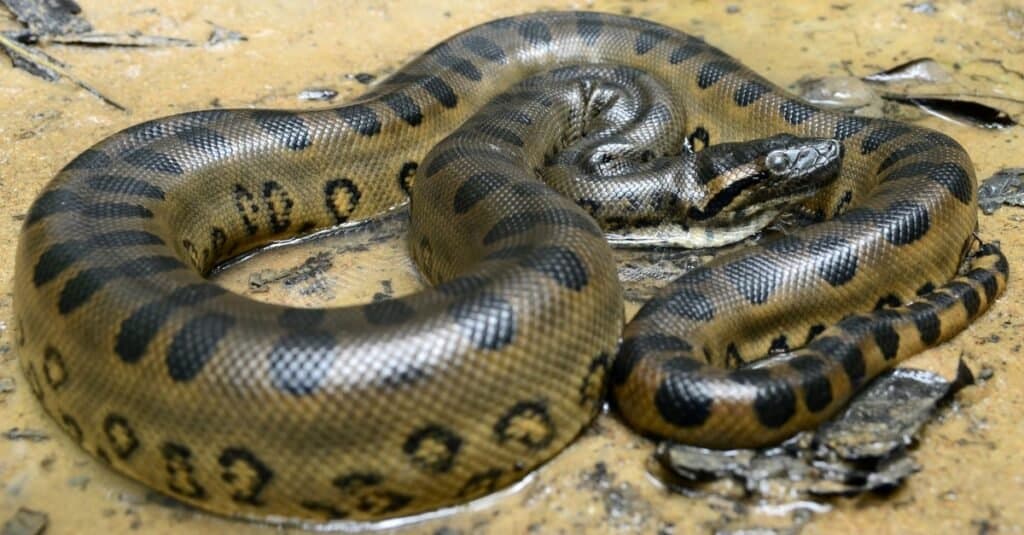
{"x":916,"y":70}
{"x":957,"y":110}
{"x":1004,"y":187}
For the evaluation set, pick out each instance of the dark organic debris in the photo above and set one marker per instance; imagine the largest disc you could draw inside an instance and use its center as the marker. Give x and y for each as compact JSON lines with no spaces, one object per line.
{"x":321,"y":94}
{"x":928,"y":8}
{"x":1004,"y":187}
{"x":957,"y":109}
{"x":364,"y":78}
{"x":53,"y":17}
{"x":920,"y":70}
{"x":312,"y":268}
{"x":32,"y":435}
{"x":25,"y":522}
{"x":6,"y":385}
{"x":126,"y":39}
{"x":864,"y":449}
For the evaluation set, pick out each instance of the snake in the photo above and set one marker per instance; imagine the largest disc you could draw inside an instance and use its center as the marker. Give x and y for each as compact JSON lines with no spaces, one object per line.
{"x":516,"y":146}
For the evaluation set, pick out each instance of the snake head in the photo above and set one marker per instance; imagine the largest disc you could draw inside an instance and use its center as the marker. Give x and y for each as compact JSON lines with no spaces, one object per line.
{"x":747,"y":180}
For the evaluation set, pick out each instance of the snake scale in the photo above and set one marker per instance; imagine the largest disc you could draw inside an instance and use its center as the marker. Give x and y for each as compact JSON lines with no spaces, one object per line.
{"x":406,"y":405}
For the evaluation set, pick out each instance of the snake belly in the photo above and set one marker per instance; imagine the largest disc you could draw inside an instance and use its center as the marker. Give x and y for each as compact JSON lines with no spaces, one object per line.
{"x":402,"y":406}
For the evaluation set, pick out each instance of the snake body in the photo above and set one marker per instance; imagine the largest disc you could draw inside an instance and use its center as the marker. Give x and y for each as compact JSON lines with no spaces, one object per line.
{"x":401,"y":406}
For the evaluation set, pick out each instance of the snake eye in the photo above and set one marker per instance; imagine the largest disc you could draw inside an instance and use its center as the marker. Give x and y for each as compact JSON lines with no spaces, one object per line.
{"x":777,"y":162}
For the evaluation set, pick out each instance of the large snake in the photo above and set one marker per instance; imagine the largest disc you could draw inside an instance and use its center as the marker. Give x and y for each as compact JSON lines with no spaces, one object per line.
{"x":406,"y":405}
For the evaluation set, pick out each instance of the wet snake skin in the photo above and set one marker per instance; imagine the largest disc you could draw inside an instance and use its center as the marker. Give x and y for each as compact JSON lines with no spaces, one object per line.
{"x":402,"y":406}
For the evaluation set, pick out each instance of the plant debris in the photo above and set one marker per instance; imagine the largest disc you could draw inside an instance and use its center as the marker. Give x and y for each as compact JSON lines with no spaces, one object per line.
{"x":221,"y":35}
{"x":52,"y":17}
{"x":864,"y":449}
{"x":957,"y":110}
{"x":32,"y":435}
{"x":25,"y":522}
{"x":1004,"y":187}
{"x":920,"y":70}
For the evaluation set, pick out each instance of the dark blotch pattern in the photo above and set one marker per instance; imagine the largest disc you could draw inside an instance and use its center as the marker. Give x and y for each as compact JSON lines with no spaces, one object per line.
{"x":476,"y":188}
{"x":245,"y":473}
{"x":195,"y":344}
{"x":648,"y":39}
{"x":774,"y":400}
{"x":848,"y":127}
{"x":749,"y":92}
{"x":139,"y":329}
{"x":966,"y":294}
{"x":535,"y":32}
{"x":405,"y":107}
{"x":430,"y":438}
{"x":61,"y":256}
{"x":485,"y":48}
{"x":846,"y":353}
{"x":880,"y":136}
{"x":153,"y":161}
{"x":389,"y":312}
{"x":814,"y":381}
{"x":123,"y":185}
{"x":560,"y":265}
{"x":796,"y":112}
{"x":588,"y":27}
{"x":300,"y":360}
{"x":521,"y":222}
{"x":910,"y":222}
{"x":835,"y":259}
{"x":286,"y":127}
{"x":713,"y":71}
{"x":83,"y":286}
{"x":487,"y":320}
{"x":679,"y":400}
{"x":926,"y":319}
{"x":440,"y":90}
{"x":361,"y":118}
{"x":207,"y":141}
{"x":987,"y":281}
{"x":90,"y":159}
{"x":690,"y":304}
{"x":755,"y":278}
{"x":634,"y":349}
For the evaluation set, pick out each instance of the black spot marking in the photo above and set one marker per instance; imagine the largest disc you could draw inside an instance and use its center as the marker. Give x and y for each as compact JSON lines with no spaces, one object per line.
{"x":927,"y":321}
{"x":780,"y":344}
{"x":90,"y":159}
{"x":247,"y":207}
{"x":835,"y":259}
{"x":955,"y":179}
{"x":849,"y":126}
{"x":460,"y":66}
{"x":195,"y":344}
{"x":522,"y":222}
{"x":813,"y":332}
{"x":432,"y":448}
{"x":481,"y":483}
{"x":180,"y":479}
{"x":634,"y":349}
{"x":489,"y":321}
{"x":342,"y":198}
{"x":142,"y":326}
{"x":684,"y":52}
{"x":888,"y":301}
{"x":406,"y":175}
{"x":846,"y":353}
{"x":440,"y":90}
{"x":559,"y":264}
{"x":910,"y":222}
{"x":813,"y":381}
{"x":405,"y":107}
{"x":713,"y":71}
{"x":485,"y":48}
{"x":300,"y":360}
{"x":363,"y":490}
{"x":83,"y":286}
{"x":796,"y":112}
{"x":535,"y":32}
{"x":987,"y":280}
{"x":648,"y":39}
{"x":880,"y":136}
{"x":389,"y":312}
{"x":72,"y":427}
{"x":749,"y":92}
{"x":528,"y":424}
{"x":61,"y":256}
{"x":588,"y":27}
{"x":679,"y":399}
{"x":287,"y":127}
{"x":361,"y":118}
{"x":245,"y":473}
{"x":205,"y":140}
{"x":904,"y":152}
{"x":690,"y":304}
{"x":121,"y":436}
{"x":154,"y":161}
{"x":774,"y":400}
{"x":279,"y":206}
{"x":966,"y":294}
{"x":754,"y":277}
{"x":926,"y":288}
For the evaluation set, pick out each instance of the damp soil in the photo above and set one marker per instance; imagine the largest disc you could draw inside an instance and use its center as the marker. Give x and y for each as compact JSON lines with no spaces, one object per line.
{"x":944,"y":455}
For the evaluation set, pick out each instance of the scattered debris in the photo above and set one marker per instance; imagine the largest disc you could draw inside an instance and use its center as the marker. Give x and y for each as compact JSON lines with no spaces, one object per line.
{"x":54,"y":17}
{"x":364,"y":78}
{"x":864,"y":449}
{"x":1006,"y":186}
{"x":920,"y":70}
{"x":25,"y":522}
{"x":221,"y":35}
{"x":322,"y":94}
{"x":6,"y":385}
{"x":927,"y":8}
{"x":33,"y":435}
{"x":957,"y":110}
{"x":311,"y":268}
{"x":127,"y":39}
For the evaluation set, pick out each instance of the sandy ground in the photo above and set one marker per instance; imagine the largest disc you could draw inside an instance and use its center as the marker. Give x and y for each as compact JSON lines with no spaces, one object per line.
{"x":972,"y":477}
